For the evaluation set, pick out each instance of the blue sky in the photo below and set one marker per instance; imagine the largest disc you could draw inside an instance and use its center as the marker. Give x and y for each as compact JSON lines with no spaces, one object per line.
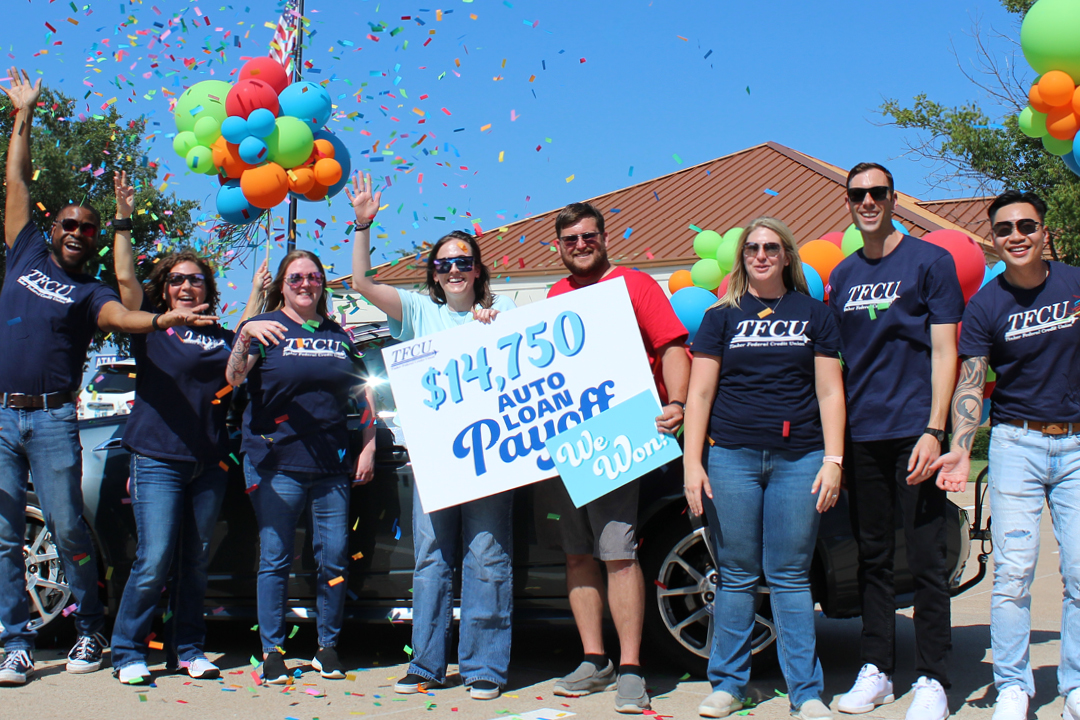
{"x":615,"y":86}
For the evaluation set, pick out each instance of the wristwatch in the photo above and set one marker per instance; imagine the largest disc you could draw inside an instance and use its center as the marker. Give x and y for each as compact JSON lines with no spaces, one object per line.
{"x":934,"y":432}
{"x":122,"y":224}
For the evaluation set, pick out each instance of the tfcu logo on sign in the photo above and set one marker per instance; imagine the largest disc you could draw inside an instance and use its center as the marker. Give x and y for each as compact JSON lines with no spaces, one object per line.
{"x":412,"y":353}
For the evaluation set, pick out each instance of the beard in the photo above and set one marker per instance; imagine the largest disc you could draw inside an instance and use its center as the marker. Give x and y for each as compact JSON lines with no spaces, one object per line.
{"x":64,"y":261}
{"x":598,"y":260}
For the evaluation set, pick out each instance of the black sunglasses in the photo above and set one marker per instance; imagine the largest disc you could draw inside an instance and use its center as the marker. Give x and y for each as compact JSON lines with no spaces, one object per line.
{"x":1026,"y":226}
{"x":70,"y":225}
{"x":879,"y":193}
{"x":572,"y":240}
{"x":465,"y":263}
{"x":177,"y":279}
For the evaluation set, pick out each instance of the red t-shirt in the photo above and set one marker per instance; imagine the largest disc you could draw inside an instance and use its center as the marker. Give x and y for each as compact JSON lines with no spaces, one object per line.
{"x":655,"y":318}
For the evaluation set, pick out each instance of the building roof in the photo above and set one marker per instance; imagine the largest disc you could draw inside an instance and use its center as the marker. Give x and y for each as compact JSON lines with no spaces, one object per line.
{"x":968,"y":213}
{"x":648,"y":224}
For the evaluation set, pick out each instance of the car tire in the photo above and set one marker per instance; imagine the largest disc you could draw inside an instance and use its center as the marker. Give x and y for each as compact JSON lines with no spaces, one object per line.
{"x":46,"y":586}
{"x":680,"y":587}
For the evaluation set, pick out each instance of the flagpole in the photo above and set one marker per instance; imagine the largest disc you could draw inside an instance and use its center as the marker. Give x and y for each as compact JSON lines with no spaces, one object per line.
{"x":290,"y":231}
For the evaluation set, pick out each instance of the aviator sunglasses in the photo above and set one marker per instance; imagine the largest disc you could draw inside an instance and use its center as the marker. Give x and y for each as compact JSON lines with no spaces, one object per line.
{"x":70,"y":225}
{"x":464,"y":263}
{"x":297,"y":279}
{"x":1026,"y":226}
{"x":879,"y":193}
{"x":572,"y":240}
{"x":178,"y":279}
{"x":750,"y":250}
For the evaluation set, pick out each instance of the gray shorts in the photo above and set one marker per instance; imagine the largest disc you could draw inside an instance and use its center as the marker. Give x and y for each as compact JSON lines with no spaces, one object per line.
{"x":604,"y":528}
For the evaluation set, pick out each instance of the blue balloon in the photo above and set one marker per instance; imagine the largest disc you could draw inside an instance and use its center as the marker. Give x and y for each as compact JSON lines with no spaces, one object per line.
{"x":994,"y":271}
{"x":234,"y":128}
{"x":985,"y":412}
{"x":899,"y":226}
{"x":1071,"y":161}
{"x":813,"y":282}
{"x":306,"y":101}
{"x":233,"y":207}
{"x":261,"y":123}
{"x":690,"y":305}
{"x":341,"y":154}
{"x":253,"y":151}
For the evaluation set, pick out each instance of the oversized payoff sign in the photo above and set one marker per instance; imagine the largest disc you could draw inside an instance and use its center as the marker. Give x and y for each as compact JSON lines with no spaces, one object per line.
{"x":477,"y":403}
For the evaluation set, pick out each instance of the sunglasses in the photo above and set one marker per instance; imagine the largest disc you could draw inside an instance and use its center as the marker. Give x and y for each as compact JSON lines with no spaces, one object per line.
{"x":297,"y":279}
{"x":178,"y":279}
{"x":1026,"y":226}
{"x":879,"y":193}
{"x":464,"y":263}
{"x":572,"y":240}
{"x":70,"y":225}
{"x":751,"y":250}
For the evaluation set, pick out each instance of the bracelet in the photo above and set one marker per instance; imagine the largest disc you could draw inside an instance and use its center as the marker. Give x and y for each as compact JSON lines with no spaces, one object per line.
{"x":836,"y":459}
{"x":680,"y":403}
{"x":154,"y":322}
{"x":120,"y":224}
{"x":357,"y":226}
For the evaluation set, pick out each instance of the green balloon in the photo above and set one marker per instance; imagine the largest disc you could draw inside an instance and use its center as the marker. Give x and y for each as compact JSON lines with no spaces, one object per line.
{"x":1057,"y":147}
{"x":707,"y":274}
{"x":205,"y":99}
{"x":200,"y":159}
{"x":725,"y":254}
{"x":733,"y":234}
{"x":183,"y":142}
{"x":705,"y":243}
{"x":207,"y":130}
{"x":1049,"y":35}
{"x":852,"y":240}
{"x":1032,"y":122}
{"x":291,"y":142}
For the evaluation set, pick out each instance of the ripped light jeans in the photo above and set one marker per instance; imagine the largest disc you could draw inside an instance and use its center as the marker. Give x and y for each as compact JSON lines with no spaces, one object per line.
{"x":1027,"y":471}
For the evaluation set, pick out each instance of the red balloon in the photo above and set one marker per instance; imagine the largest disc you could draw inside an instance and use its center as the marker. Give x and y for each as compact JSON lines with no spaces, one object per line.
{"x":249,"y":95}
{"x":836,"y":238}
{"x":968,"y":256}
{"x":268,"y":70}
{"x":723,"y":286}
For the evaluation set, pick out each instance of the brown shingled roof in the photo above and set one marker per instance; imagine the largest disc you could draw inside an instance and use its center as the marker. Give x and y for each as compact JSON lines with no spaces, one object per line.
{"x":968,"y":213}
{"x":767,"y":179}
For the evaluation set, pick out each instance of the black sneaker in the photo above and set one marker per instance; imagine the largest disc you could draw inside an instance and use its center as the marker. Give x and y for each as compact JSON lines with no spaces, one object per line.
{"x":483,"y":690}
{"x":274,"y":670}
{"x":327,"y":663}
{"x":85,"y":657}
{"x":18,"y":665}
{"x":412,"y":683}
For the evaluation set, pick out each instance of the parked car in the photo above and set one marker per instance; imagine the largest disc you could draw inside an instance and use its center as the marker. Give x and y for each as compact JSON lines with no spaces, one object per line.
{"x":111,"y":390}
{"x":675,"y":552}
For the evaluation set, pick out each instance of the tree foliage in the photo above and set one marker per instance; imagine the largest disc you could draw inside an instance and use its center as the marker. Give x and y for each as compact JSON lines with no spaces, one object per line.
{"x":972,"y":149}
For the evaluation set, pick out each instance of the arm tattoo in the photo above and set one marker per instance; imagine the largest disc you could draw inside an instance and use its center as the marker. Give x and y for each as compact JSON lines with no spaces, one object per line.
{"x":238,"y":357}
{"x":967,"y":402}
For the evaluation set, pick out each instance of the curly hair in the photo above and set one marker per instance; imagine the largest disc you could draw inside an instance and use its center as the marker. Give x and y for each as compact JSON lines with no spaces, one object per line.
{"x":275,"y":296}
{"x":157,"y":282}
{"x":481,"y":288}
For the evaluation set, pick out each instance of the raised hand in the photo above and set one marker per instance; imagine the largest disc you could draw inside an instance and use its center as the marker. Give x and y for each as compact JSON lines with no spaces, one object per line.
{"x":125,"y":195}
{"x":365,"y":203}
{"x":263,"y":279}
{"x":22,"y":94}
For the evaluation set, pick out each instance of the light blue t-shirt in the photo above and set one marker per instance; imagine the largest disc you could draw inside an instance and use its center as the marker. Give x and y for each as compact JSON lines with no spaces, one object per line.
{"x":420,"y":316}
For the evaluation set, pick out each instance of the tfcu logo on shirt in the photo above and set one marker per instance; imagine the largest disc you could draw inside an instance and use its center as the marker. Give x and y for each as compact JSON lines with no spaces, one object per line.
{"x":1046,"y":319}
{"x":313,"y":347}
{"x":44,"y":286}
{"x":206,"y":343}
{"x":770,"y":333}
{"x":875,"y":295}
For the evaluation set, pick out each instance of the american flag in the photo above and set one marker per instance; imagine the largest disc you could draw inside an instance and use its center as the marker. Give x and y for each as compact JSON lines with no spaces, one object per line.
{"x":283,"y":46}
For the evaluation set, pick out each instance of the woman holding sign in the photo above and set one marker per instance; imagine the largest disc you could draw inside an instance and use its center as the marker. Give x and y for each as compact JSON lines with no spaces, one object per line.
{"x":766,"y":390}
{"x":302,"y":377}
{"x":457,"y":292}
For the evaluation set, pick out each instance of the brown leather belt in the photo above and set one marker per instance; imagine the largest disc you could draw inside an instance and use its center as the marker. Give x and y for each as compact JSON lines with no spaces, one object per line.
{"x":52,"y":401}
{"x":1048,"y":428}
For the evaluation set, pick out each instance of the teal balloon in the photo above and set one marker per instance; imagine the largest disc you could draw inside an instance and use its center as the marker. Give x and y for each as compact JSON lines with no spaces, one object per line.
{"x":260,"y":122}
{"x":1070,"y":161}
{"x":291,"y":142}
{"x":813,"y":282}
{"x":725,"y":254}
{"x":1055,"y":146}
{"x":233,"y":207}
{"x":1032,"y":122}
{"x":200,"y":159}
{"x":235,"y":129}
{"x":207,"y":130}
{"x":852,"y":240}
{"x":707,"y":274}
{"x":183,"y":142}
{"x":706,"y":242}
{"x":897,"y":225}
{"x":690,"y":304}
{"x":1049,"y":35}
{"x":204,"y":99}
{"x":307,"y":101}
{"x":993,"y":271}
{"x":341,"y":154}
{"x":252,"y":150}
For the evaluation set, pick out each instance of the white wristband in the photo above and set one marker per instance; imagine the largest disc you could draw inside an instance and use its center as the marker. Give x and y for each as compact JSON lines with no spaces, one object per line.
{"x":836,"y":459}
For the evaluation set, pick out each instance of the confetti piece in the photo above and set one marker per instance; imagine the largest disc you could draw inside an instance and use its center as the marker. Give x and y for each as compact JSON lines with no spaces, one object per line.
{"x":14,"y":321}
{"x":408,"y":651}
{"x":627,"y":233}
{"x":552,"y":516}
{"x":281,"y":419}
{"x":769,"y":191}
{"x":336,"y":581}
{"x":570,"y":179}
{"x":358,"y":556}
{"x":156,"y":645}
{"x":69,"y":609}
{"x":292,"y":633}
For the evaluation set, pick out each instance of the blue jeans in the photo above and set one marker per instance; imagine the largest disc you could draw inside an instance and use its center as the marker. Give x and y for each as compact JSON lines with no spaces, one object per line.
{"x":1027,"y":471}
{"x":176,"y":507}
{"x":279,"y":497}
{"x":46,"y":444}
{"x":487,"y":588}
{"x":763,"y":516}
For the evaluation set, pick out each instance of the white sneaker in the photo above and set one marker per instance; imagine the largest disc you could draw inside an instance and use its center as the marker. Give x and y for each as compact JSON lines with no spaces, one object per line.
{"x":1011,"y":704}
{"x":929,"y":702}
{"x":1072,"y":706}
{"x":719,"y":704}
{"x":134,"y":674}
{"x":202,"y":669}
{"x":871,"y":688}
{"x":814,"y":709}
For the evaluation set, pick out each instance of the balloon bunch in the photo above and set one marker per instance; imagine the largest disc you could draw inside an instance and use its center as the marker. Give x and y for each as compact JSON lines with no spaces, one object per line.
{"x":264,"y":139}
{"x":1048,"y":39}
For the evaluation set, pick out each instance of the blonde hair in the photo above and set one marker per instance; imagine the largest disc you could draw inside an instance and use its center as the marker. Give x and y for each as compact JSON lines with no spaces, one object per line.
{"x":739,"y":282}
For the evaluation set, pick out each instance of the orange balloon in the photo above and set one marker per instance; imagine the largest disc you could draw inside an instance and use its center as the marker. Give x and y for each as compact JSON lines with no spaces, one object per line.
{"x":227,"y":158}
{"x":1076,"y":101}
{"x":317,"y":193}
{"x":265,"y":186}
{"x":323,"y":149}
{"x":1056,"y":88}
{"x":1035,"y":99}
{"x":821,"y":255}
{"x":679,"y":279}
{"x":1062,"y":123}
{"x":327,"y":171}
{"x":301,"y":179}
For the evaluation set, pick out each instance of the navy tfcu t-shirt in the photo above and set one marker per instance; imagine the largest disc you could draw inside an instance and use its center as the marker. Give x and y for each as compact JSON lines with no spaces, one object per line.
{"x":767,"y":371}
{"x":47,"y":319}
{"x":180,"y":394}
{"x":1032,"y":338}
{"x":300,"y":391}
{"x":885,"y":308}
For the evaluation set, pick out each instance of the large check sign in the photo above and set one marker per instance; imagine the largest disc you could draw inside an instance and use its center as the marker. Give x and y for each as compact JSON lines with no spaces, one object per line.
{"x":478,"y":402}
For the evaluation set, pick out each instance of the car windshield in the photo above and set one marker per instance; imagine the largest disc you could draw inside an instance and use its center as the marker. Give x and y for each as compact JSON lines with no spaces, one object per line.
{"x":371,"y":346}
{"x":113,"y":379}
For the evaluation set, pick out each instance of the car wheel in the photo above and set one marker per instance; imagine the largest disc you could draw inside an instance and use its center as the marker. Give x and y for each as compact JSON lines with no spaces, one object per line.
{"x":681,"y":581}
{"x":46,"y":587}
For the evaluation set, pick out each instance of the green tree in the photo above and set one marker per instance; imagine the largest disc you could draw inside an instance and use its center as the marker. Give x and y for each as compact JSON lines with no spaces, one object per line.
{"x":979,"y":150}
{"x":74,"y":160}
